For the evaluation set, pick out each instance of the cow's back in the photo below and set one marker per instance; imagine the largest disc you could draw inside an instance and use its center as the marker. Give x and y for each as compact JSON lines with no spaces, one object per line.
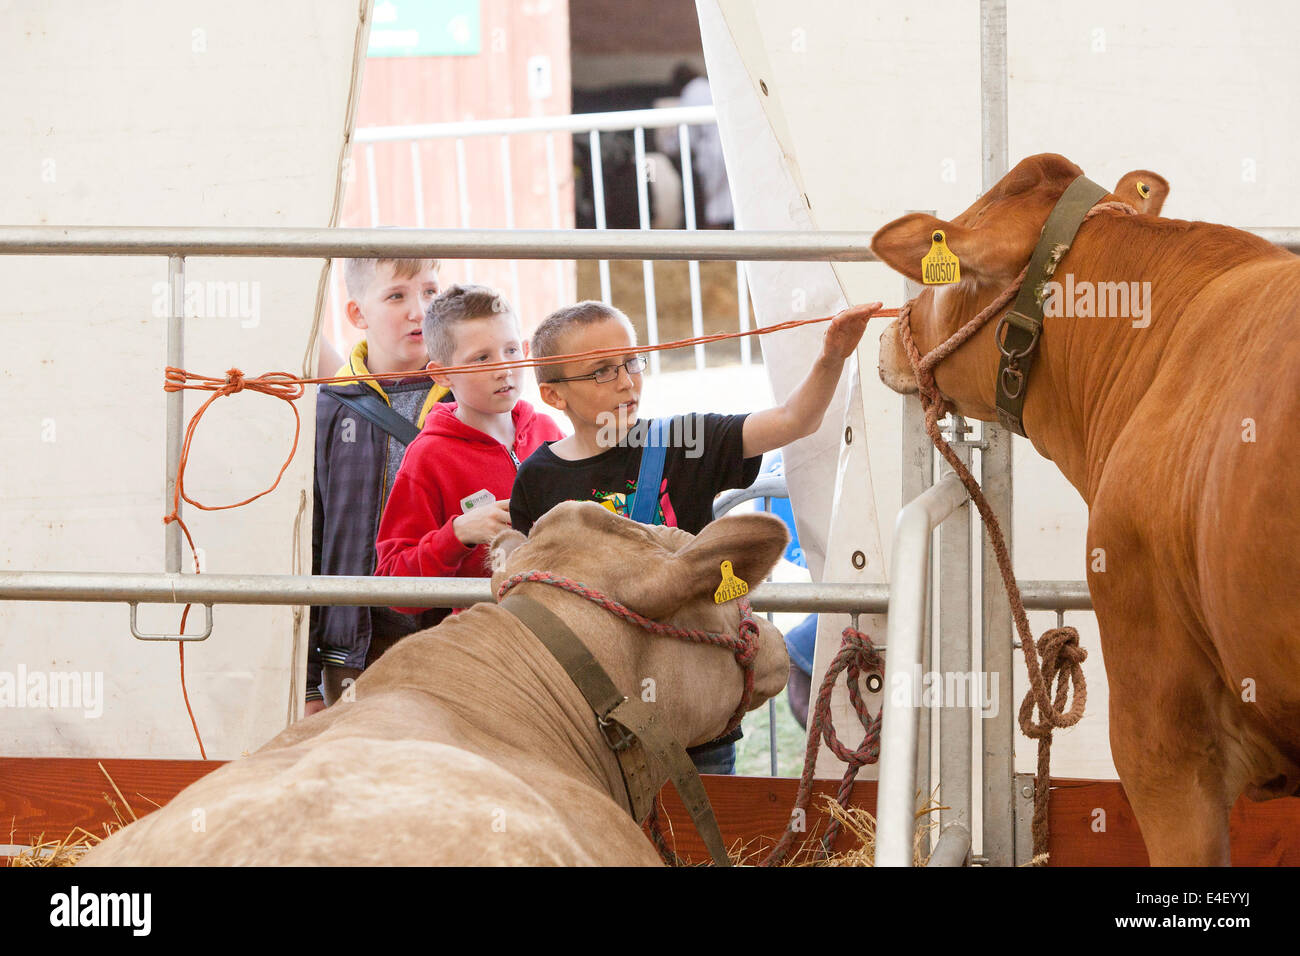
{"x":1206,"y":473}
{"x":358,"y":801}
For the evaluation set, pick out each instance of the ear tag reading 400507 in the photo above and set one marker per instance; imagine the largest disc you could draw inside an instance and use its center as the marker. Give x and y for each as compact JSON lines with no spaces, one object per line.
{"x":940,"y":266}
{"x":731,"y":587}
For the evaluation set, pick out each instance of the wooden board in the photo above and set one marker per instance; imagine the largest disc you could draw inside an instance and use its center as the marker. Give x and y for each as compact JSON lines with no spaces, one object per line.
{"x":1092,"y":823}
{"x":753,"y":812}
{"x":1262,"y":834}
{"x":51,"y":796}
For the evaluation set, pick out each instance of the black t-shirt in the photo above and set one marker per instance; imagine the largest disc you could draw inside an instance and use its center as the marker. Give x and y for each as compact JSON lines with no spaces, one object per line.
{"x":704,"y":458}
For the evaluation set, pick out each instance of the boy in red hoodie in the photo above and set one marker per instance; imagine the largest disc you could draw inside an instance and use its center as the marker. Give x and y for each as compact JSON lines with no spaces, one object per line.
{"x":451,"y":495}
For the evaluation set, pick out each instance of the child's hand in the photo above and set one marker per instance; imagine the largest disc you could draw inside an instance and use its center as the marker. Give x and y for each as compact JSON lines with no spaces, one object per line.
{"x":845,"y":331}
{"x":313,"y":707}
{"x":482,"y":524}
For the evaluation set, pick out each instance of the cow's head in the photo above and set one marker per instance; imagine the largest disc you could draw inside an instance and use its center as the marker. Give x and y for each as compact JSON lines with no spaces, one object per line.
{"x":993,"y":240}
{"x":667,"y":575}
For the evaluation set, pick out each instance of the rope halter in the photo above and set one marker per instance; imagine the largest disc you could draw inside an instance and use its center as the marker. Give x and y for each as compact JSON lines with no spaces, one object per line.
{"x":744,"y":645}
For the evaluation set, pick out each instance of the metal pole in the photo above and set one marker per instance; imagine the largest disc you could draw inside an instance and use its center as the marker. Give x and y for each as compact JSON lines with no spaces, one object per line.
{"x":598,"y":195}
{"x":572,"y":123}
{"x":918,"y":475}
{"x":997,"y":731}
{"x":909,"y":575}
{"x":647,"y":265}
{"x":279,"y":242}
{"x":953,"y":847}
{"x":507,"y":179}
{"x":553,"y":193}
{"x":955,"y":637}
{"x":175,"y":410}
{"x":279,"y":589}
{"x":692,"y":267}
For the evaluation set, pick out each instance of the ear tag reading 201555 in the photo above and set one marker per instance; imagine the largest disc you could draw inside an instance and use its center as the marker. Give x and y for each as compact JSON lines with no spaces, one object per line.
{"x":939,"y":266}
{"x":731,"y":587}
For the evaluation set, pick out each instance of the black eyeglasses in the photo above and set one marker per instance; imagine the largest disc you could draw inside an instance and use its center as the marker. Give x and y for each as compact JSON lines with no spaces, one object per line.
{"x":635,"y":366}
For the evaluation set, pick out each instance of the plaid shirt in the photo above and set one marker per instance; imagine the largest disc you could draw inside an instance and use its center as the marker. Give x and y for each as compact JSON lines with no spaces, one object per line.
{"x":351,"y":460}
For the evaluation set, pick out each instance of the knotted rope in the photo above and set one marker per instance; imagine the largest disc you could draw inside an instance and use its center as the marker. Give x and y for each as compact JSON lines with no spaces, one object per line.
{"x":856,"y":655}
{"x":276,"y":384}
{"x":744,"y":645}
{"x":1059,"y":651}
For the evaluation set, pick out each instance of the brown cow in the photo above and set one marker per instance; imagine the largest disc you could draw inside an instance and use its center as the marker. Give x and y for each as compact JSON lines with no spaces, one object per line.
{"x":1175,"y":428}
{"x":467,"y":743}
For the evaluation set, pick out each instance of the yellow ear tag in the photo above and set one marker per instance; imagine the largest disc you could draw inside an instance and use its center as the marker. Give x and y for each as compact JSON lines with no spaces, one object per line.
{"x":1144,"y":190}
{"x":731,"y":587}
{"x":940,"y":266}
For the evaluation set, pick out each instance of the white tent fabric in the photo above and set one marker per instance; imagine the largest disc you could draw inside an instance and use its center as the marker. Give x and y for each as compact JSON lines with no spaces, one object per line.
{"x":168,"y":115}
{"x":845,"y":115}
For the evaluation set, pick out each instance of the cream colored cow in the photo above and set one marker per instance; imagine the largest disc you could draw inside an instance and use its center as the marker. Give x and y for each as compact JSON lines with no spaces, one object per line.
{"x":468,"y":744}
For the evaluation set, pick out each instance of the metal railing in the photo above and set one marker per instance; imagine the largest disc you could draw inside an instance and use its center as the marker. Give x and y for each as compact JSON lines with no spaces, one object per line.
{"x":176,"y":243}
{"x":898,"y":757}
{"x":903,"y":704}
{"x":592,"y":124}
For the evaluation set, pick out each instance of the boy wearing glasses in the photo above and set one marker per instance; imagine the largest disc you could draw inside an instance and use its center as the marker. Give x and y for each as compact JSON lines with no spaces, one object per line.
{"x":451,"y":494}
{"x":705,"y":454}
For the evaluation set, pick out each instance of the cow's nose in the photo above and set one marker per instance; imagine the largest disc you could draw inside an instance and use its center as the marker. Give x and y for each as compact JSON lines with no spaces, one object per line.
{"x":894,"y":368}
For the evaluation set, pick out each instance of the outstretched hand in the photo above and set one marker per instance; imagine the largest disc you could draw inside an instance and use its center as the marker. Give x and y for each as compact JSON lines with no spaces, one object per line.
{"x":845,"y":331}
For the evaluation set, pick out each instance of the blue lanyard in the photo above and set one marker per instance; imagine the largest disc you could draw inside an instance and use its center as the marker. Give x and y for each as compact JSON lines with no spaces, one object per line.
{"x":644,"y":506}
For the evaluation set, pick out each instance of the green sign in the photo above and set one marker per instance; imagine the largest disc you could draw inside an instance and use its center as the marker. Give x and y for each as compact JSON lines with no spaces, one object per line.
{"x":424,"y":28}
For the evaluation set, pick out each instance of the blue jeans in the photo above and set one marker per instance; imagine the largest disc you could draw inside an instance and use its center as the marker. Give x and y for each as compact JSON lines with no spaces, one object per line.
{"x":715,"y":758}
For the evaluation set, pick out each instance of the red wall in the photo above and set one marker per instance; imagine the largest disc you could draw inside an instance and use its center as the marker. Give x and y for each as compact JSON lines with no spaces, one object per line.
{"x":490,"y":85}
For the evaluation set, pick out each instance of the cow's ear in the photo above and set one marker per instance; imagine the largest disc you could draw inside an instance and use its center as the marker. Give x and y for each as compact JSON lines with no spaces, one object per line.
{"x":751,"y":542}
{"x":1144,"y":190}
{"x":903,"y":243}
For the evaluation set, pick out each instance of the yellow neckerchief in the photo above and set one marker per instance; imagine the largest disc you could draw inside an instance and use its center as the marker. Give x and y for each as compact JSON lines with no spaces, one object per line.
{"x":356,"y":365}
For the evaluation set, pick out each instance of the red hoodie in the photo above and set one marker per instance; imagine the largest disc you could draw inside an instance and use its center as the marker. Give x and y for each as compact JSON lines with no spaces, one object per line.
{"x":447,"y":462}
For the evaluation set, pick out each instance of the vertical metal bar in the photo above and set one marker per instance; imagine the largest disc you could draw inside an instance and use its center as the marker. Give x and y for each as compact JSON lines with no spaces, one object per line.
{"x":955,"y":636}
{"x":372,"y":184}
{"x":417,"y":181}
{"x":647,"y":265}
{"x":175,"y":410}
{"x":998,"y":844}
{"x":771,"y":704}
{"x":462,"y":189}
{"x":1023,"y":804}
{"x":909,"y":595}
{"x":742,"y":304}
{"x":553,"y":193}
{"x":507,"y":177}
{"x":598,"y":193}
{"x":692,"y":267}
{"x":918,"y":475}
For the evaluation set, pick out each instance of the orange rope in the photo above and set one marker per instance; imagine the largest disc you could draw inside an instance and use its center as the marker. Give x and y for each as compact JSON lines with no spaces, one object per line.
{"x":290,"y":388}
{"x":553,"y":359}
